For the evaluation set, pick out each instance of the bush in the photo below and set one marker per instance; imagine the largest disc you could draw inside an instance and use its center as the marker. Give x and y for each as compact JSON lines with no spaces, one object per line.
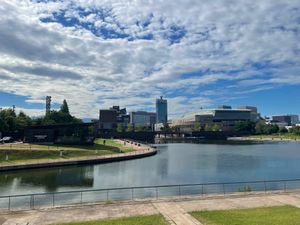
{"x":295,"y":130}
{"x":283,"y":130}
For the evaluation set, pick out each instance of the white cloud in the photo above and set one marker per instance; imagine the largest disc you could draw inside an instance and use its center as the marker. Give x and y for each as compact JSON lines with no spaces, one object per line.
{"x":246,"y":43}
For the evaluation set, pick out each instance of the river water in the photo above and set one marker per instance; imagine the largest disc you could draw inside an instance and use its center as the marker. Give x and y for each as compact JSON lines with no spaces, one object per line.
{"x":173,"y":164}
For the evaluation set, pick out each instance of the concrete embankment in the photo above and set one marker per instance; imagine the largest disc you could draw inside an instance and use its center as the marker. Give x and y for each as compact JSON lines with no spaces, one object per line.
{"x":263,"y":139}
{"x":140,"y":151}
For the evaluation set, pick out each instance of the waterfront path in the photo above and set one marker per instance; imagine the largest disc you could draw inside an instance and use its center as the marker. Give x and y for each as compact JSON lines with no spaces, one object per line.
{"x":139,"y":151}
{"x":175,"y":210}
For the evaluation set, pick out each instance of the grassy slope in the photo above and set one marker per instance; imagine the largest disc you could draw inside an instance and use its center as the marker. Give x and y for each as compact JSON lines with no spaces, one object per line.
{"x":283,"y":215}
{"x":140,"y":220}
{"x":26,"y":152}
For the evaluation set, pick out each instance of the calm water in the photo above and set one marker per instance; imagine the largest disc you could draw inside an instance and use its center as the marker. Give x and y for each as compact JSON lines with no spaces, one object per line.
{"x":174,"y":164}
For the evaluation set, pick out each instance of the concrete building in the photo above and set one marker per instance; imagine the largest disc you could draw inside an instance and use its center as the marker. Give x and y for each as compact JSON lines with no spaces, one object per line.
{"x":107,"y":119}
{"x":291,"y":120}
{"x":224,"y":116}
{"x":255,"y":116}
{"x":161,"y":110}
{"x":142,"y":118}
{"x":110,"y":118}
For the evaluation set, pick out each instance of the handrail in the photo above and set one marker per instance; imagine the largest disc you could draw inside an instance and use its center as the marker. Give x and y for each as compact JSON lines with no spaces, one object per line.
{"x":153,"y":187}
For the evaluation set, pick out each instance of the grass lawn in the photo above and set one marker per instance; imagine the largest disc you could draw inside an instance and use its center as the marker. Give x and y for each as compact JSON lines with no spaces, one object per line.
{"x":140,"y":220}
{"x":28,"y":152}
{"x":283,"y":215}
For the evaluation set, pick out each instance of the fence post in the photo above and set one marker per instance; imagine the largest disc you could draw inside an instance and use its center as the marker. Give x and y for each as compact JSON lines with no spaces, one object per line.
{"x":265,"y":186}
{"x":202,"y":190}
{"x":284,"y":186}
{"x":156,"y":193}
{"x":107,"y":195}
{"x":9,"y":203}
{"x":81,"y":197}
{"x":53,"y":200}
{"x":32,"y":202}
{"x":224,"y":189}
{"x":179,"y":190}
{"x":132,"y":194}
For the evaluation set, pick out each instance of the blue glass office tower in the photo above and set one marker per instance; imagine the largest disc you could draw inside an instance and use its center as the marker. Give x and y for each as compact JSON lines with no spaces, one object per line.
{"x":161,"y":110}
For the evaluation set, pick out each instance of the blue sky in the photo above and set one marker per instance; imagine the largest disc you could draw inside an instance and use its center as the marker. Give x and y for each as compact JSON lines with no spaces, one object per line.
{"x":198,"y":54}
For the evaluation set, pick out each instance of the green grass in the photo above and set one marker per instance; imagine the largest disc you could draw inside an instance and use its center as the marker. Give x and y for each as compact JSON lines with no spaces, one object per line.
{"x":28,"y":152}
{"x":282,"y":215}
{"x":139,"y":220}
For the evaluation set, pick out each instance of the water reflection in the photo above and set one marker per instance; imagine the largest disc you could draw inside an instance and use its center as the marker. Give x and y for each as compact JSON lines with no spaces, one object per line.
{"x":51,"y":179}
{"x":174,"y":164}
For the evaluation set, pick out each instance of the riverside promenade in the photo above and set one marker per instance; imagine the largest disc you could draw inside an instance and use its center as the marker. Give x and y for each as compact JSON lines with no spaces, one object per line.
{"x":175,"y":210}
{"x":139,"y":151}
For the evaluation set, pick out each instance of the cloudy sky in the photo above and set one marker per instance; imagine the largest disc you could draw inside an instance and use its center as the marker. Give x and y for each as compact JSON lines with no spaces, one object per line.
{"x":196,"y":53}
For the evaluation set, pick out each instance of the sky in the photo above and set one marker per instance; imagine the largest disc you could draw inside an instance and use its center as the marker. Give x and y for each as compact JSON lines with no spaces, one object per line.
{"x":196,"y":53}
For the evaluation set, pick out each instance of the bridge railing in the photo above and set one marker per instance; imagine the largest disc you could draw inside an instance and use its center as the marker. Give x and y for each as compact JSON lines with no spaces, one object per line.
{"x":46,"y":200}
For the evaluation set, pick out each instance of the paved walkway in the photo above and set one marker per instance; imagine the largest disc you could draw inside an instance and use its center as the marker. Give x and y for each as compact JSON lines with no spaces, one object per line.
{"x":175,"y":210}
{"x":175,"y":214}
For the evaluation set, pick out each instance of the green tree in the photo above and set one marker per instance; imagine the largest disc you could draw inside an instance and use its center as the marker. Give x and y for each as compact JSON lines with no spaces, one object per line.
{"x":259,"y":127}
{"x":58,"y":117}
{"x":263,"y":128}
{"x":244,"y":126}
{"x":120,"y":127}
{"x":130,"y":128}
{"x":22,"y":120}
{"x":295,"y":130}
{"x":197,"y":126}
{"x":271,"y":129}
{"x":3,"y":125}
{"x":216,"y":127}
{"x":139,"y":128}
{"x":283,"y":130}
{"x":176,"y":128}
{"x":64,"y":107}
{"x":8,"y":117}
{"x":207,"y":127}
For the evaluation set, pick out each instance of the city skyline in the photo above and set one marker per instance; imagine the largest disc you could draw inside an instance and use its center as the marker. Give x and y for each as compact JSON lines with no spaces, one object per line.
{"x":97,"y":54}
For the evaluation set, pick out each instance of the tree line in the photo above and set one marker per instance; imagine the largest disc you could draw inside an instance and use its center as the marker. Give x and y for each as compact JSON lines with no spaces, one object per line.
{"x":10,"y":121}
{"x":261,"y":128}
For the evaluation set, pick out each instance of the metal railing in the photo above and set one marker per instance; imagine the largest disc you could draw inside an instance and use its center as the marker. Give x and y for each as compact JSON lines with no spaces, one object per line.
{"x":40,"y":200}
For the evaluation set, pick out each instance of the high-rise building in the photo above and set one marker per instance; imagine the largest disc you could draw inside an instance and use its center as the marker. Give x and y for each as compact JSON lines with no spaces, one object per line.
{"x":161,"y":110}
